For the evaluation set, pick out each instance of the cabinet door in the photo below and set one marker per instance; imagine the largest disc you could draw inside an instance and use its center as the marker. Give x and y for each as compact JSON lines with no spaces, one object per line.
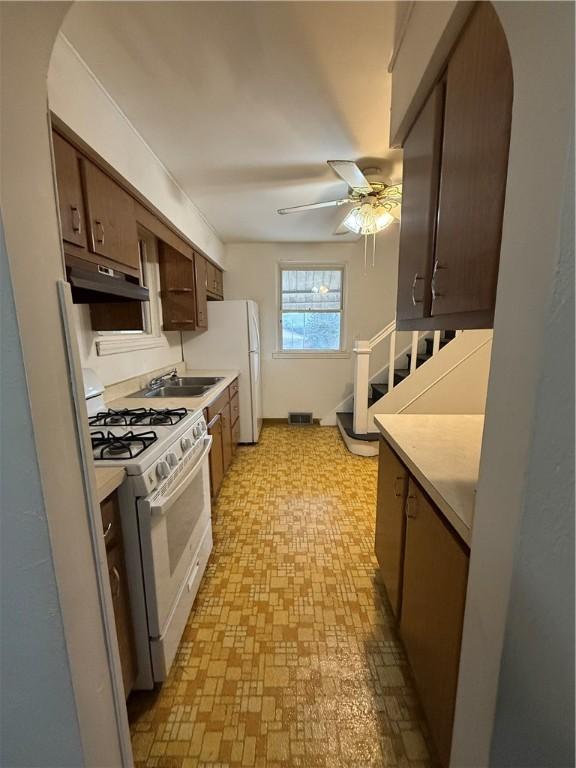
{"x":122,"y":615}
{"x":235,"y":436}
{"x":201,"y":301}
{"x":433,"y":597}
{"x":178,"y":289}
{"x":421,"y":177}
{"x":219,"y":282}
{"x":477,"y":119}
{"x":112,"y":230}
{"x":226,"y":437}
{"x":391,"y":522}
{"x":216,"y":456}
{"x":70,"y":197}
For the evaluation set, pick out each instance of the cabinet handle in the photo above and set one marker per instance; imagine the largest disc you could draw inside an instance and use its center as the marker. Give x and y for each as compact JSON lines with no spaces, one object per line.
{"x":397,"y":493}
{"x":414,"y":299}
{"x":116,"y":575}
{"x":76,"y":220}
{"x":436,"y":294}
{"x":107,"y":531}
{"x":411,"y":513}
{"x":99,"y":226}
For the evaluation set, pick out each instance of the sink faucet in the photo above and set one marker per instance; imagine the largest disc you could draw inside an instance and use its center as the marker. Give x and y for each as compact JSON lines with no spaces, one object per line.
{"x":157,"y":381}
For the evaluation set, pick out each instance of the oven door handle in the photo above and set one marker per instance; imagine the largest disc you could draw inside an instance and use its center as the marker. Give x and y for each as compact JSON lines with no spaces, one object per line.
{"x":162,"y":505}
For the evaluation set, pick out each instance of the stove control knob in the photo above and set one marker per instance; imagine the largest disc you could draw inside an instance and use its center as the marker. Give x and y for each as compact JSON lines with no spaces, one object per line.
{"x":172,"y":459}
{"x":198,"y":430}
{"x":162,"y":470}
{"x":185,"y":444}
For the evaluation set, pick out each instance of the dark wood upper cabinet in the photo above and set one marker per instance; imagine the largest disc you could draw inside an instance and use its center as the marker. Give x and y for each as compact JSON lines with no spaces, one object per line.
{"x":455,"y":228}
{"x":70,"y":197}
{"x":177,"y":289}
{"x":201,"y":274}
{"x":421,"y":179}
{"x":112,"y":229}
{"x":214,"y":281}
{"x":476,"y":138}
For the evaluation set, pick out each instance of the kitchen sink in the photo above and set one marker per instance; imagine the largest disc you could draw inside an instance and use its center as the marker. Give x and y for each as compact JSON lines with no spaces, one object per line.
{"x":194,"y":390}
{"x":181,"y":386}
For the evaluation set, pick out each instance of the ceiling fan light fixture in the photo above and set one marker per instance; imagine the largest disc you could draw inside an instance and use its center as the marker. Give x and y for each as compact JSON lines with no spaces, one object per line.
{"x":367,"y":219}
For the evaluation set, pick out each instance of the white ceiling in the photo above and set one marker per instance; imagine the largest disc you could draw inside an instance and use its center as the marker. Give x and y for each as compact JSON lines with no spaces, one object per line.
{"x":245,"y":101}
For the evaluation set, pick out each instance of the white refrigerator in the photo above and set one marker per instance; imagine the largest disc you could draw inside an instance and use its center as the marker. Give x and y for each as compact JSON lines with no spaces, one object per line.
{"x":232,"y":341}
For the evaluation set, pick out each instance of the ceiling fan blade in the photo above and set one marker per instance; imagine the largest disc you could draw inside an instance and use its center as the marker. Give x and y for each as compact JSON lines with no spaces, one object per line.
{"x":313,"y":206}
{"x":351,"y":174}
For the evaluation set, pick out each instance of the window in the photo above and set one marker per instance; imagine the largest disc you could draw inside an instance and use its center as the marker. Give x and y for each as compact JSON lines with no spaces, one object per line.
{"x":311,"y":309}
{"x":115,"y":342}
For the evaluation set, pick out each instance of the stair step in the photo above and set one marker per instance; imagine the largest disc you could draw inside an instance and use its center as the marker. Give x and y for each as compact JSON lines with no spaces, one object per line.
{"x":430,"y":344}
{"x":400,"y":375}
{"x":379,"y":390}
{"x":420,"y":359}
{"x":347,"y":421}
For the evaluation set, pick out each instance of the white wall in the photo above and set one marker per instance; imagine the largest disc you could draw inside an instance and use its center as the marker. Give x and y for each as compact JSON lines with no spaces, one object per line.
{"x":317,"y":384}
{"x":79,"y":99}
{"x":49,"y":575}
{"x":505,"y":598}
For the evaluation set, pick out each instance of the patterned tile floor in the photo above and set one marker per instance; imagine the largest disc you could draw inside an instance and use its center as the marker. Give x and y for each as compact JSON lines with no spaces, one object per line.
{"x":289,"y":657}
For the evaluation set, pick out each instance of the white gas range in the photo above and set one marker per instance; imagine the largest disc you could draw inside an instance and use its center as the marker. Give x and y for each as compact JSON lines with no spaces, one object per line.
{"x":165,"y":510}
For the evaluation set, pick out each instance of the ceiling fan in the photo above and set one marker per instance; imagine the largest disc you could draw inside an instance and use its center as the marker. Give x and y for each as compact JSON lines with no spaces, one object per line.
{"x":372,"y":204}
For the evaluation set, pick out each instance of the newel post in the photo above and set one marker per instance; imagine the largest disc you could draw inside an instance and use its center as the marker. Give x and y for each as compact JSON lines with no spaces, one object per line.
{"x":362,"y":351}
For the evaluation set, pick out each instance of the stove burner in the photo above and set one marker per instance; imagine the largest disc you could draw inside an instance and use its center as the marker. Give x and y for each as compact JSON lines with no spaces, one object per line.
{"x":128,"y":445}
{"x":138,"y":416}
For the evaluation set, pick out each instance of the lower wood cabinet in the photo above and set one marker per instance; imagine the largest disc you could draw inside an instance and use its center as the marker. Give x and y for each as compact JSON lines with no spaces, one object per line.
{"x":391,"y":523}
{"x":112,"y":530}
{"x":424,"y":566}
{"x":223,"y":418}
{"x":216,"y":457}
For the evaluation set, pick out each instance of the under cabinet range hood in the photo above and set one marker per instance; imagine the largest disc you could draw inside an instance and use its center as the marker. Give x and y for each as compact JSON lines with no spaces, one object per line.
{"x":95,"y":284}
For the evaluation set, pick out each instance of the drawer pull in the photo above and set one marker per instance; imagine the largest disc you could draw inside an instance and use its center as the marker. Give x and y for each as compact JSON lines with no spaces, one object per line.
{"x":99,"y":226}
{"x":76,"y":220}
{"x":398,"y":493}
{"x":116,"y":574}
{"x":414,"y":299}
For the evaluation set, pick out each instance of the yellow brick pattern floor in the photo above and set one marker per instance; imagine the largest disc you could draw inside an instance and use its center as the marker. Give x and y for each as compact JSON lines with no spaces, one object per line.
{"x":290,"y":657}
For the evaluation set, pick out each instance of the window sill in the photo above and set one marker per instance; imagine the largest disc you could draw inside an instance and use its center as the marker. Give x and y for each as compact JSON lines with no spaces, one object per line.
{"x":312,"y":354}
{"x":112,"y":345}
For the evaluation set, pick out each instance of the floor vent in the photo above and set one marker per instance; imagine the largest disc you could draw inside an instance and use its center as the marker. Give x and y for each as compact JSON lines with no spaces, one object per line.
{"x":300,"y":418}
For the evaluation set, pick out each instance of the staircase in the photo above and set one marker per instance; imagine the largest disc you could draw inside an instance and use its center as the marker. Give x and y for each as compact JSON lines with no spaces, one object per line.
{"x":370,"y":395}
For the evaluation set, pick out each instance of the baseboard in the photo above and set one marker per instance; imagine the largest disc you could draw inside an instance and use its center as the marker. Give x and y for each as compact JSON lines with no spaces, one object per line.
{"x":316,"y":422}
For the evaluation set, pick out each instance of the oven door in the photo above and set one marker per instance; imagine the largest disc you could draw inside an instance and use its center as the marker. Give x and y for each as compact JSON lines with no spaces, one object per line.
{"x":172,"y":524}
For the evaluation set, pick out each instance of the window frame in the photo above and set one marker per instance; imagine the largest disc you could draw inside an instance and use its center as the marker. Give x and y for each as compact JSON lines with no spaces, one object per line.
{"x":311,"y":353}
{"x":152,"y":337}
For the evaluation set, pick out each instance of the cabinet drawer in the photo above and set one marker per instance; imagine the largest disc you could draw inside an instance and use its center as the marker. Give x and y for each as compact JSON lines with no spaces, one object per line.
{"x":234,"y":408}
{"x":233,"y":388}
{"x":111,"y":520}
{"x":218,"y":405}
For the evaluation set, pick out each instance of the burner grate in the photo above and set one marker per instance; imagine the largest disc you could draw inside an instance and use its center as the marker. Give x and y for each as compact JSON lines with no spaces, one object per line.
{"x":127,"y":446}
{"x":130,"y":417}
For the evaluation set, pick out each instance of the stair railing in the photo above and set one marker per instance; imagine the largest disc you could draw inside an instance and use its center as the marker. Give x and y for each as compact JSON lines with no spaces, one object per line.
{"x":362,"y":351}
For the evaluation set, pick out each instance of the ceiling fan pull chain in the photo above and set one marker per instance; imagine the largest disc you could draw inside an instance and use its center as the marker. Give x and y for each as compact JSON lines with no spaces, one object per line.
{"x":365,"y":253}
{"x":373,"y":250}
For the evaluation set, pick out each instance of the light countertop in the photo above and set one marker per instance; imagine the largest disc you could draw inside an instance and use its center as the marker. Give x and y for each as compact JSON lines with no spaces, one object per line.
{"x":192,"y":403}
{"x":107,"y":480}
{"x":443,"y":454}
